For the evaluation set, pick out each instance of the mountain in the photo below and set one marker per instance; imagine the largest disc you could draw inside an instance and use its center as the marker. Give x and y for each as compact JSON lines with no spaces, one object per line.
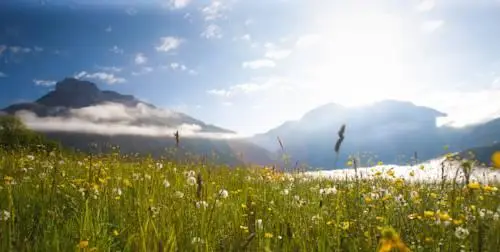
{"x":390,"y":131}
{"x":77,"y":113}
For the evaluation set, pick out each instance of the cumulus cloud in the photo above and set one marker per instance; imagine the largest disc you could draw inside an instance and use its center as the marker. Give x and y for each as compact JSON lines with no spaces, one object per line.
{"x":143,"y":71}
{"x":255,"y":85}
{"x":117,"y":119}
{"x":116,"y":49}
{"x":214,"y":10}
{"x":169,"y":44}
{"x":108,"y":78}
{"x":212,"y":31}
{"x":45,"y":83}
{"x":261,"y":63}
{"x":431,"y":25}
{"x":2,"y":49}
{"x":178,"y":4}
{"x":19,"y":49}
{"x":140,"y":59}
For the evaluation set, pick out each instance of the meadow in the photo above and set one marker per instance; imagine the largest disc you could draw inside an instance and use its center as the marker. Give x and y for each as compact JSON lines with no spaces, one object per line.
{"x":75,"y":202}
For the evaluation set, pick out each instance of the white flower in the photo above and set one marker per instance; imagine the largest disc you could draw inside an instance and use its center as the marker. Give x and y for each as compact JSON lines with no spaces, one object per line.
{"x":328,"y":191}
{"x":4,"y":215}
{"x":159,"y":166}
{"x":223,"y":193}
{"x":482,"y":213}
{"x":285,"y":191}
{"x":166,"y":184}
{"x":191,"y":180}
{"x":461,"y":233}
{"x":31,"y":157}
{"x":200,"y":204}
{"x":190,"y":173}
{"x":179,"y":195}
{"x":413,"y":194}
{"x":118,"y":191}
{"x":196,"y":240}
{"x":496,"y":216}
{"x":258,"y":223}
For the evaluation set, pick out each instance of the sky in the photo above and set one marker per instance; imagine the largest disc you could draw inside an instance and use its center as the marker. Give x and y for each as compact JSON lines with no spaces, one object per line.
{"x":249,"y":66}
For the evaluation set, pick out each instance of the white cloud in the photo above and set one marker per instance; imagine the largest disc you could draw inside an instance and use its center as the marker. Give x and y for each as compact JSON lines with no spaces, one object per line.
{"x":3,"y":75}
{"x":178,"y":66}
{"x":219,"y":92}
{"x":308,"y":40}
{"x":178,"y":4}
{"x":426,"y":5}
{"x":102,"y":76}
{"x":19,"y":49}
{"x":38,"y":49}
{"x":213,"y":11}
{"x":143,"y":71}
{"x":110,"y":69}
{"x":431,"y":25}
{"x":256,"y":85}
{"x":261,"y":63}
{"x":109,"y":29}
{"x":212,"y":31}
{"x":140,"y":59}
{"x":277,"y":54}
{"x":117,"y":119}
{"x":45,"y":83}
{"x":2,"y":48}
{"x":246,"y":37}
{"x":169,"y":44}
{"x":116,"y":50}
{"x":131,"y":11}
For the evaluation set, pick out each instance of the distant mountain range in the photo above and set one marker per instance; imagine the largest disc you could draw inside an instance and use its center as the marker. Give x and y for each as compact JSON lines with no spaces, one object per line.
{"x":77,"y":113}
{"x":390,"y":131}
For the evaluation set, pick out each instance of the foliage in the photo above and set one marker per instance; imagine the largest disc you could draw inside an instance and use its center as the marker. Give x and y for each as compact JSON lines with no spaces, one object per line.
{"x":14,"y":135}
{"x":65,"y":202}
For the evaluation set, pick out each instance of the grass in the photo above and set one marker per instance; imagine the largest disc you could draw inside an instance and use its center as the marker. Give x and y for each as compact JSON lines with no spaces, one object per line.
{"x":56,"y":202}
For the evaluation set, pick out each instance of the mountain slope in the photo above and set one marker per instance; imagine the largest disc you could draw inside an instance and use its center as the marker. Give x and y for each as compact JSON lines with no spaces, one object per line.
{"x":390,"y":131}
{"x":77,"y":113}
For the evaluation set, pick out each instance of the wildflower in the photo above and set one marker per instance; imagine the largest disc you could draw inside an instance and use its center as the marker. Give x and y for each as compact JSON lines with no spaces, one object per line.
{"x":191,"y":181}
{"x":496,"y":216}
{"x":457,"y":222}
{"x":328,"y":191}
{"x":429,"y":214}
{"x":390,"y":173}
{"x":391,"y":241}
{"x":4,"y":215}
{"x":223,"y":193}
{"x":345,"y":225}
{"x":202,"y":203}
{"x":474,"y":185}
{"x":268,"y":235}
{"x":30,"y":157}
{"x":83,"y":244}
{"x":488,"y":188}
{"x":118,"y":191}
{"x":444,"y":216}
{"x":196,"y":240}
{"x":8,"y":179}
{"x":259,"y":224}
{"x":159,"y":166}
{"x":147,"y":176}
{"x":414,"y":194}
{"x":127,"y":183}
{"x":244,"y":228}
{"x":285,"y":191}
{"x":495,"y":159}
{"x":179,"y":195}
{"x":461,"y":233}
{"x":166,"y":184}
{"x":115,"y":232}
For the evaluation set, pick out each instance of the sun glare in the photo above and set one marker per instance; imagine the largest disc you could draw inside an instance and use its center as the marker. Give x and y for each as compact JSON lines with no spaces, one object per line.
{"x":359,"y":58}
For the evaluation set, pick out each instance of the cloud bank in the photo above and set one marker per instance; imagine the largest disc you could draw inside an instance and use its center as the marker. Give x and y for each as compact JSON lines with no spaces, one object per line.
{"x":117,"y":119}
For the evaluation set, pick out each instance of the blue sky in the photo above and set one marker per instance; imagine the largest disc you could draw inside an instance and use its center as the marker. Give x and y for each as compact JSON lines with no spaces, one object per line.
{"x":251,"y":65}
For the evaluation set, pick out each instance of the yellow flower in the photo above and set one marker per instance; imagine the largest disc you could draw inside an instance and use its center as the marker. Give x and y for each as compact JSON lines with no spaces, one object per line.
{"x":127,"y":183}
{"x":457,"y":222}
{"x":444,"y":217}
{"x":474,"y":185}
{"x":495,"y":159}
{"x":268,"y":235}
{"x":488,"y":188}
{"x":83,"y":244}
{"x":390,"y":172}
{"x":345,"y":225}
{"x":115,"y":232}
{"x":391,"y":241}
{"x":429,"y":214}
